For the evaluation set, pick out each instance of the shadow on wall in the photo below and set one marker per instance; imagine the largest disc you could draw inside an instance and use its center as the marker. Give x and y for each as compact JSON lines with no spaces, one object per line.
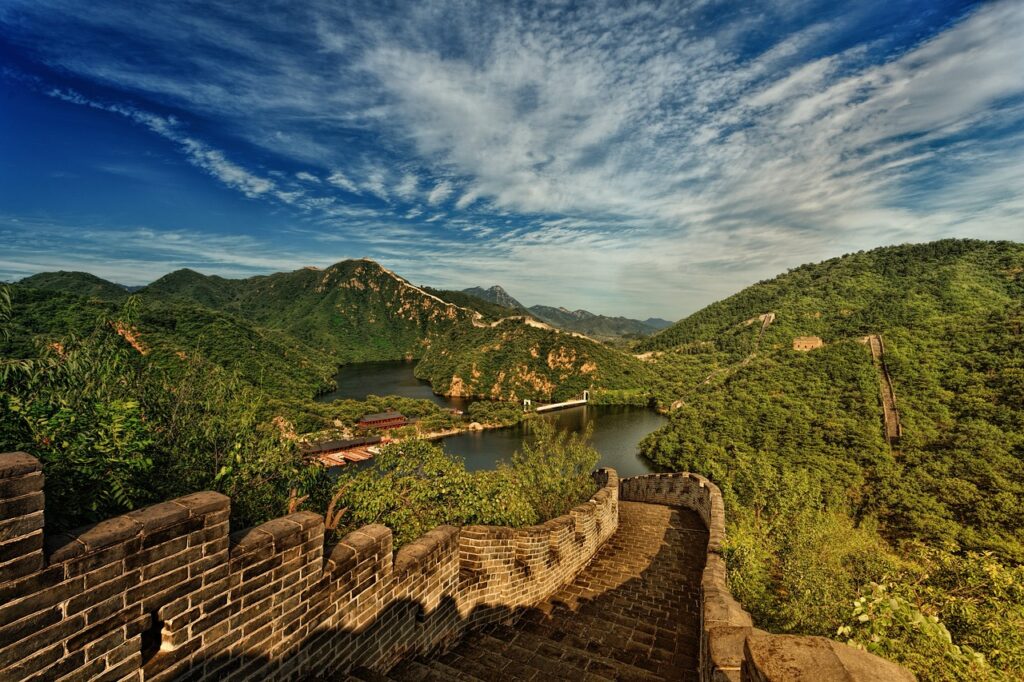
{"x":323,"y":653}
{"x":169,"y":590}
{"x":633,"y":613}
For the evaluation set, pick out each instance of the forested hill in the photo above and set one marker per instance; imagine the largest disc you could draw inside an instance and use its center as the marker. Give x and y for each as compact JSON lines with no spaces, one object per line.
{"x":355,"y":310}
{"x":515,"y":360}
{"x":901,"y":287}
{"x":286,"y":332}
{"x":80,"y":283}
{"x":591,"y":324}
{"x":820,"y":505}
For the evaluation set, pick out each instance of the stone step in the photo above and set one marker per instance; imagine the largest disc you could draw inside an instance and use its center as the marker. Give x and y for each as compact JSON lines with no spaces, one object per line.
{"x":632,"y":614}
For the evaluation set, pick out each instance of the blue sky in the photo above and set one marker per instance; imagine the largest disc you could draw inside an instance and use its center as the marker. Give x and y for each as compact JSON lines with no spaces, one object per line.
{"x":639,"y":159}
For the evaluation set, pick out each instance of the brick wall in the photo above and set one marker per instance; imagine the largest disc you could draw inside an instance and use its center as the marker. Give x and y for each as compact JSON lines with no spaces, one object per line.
{"x":168,"y":592}
{"x":731,"y":648}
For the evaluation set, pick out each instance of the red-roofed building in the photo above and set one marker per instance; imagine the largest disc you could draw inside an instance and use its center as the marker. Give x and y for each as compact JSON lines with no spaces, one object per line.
{"x":383,"y":420}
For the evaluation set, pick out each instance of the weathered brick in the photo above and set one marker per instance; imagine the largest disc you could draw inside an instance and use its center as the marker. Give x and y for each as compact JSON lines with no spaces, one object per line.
{"x":104,"y":574}
{"x":153,"y":553}
{"x":169,"y":564}
{"x":96,"y":631}
{"x":21,"y":506}
{"x":21,"y":485}
{"x":14,"y":464}
{"x":13,"y":589}
{"x":176,"y":591}
{"x":93,"y":560}
{"x":176,"y":530}
{"x":69,"y":663}
{"x":40,"y":600}
{"x":156,"y":585}
{"x":40,"y":659}
{"x":25,"y":545}
{"x":20,"y":525}
{"x":102,"y":646}
{"x":34,"y":633}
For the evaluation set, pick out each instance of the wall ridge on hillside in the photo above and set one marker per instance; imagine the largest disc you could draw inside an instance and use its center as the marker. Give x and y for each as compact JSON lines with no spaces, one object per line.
{"x":169,"y":591}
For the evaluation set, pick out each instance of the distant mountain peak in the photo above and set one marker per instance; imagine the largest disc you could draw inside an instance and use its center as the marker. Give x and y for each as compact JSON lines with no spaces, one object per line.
{"x":495,"y":294}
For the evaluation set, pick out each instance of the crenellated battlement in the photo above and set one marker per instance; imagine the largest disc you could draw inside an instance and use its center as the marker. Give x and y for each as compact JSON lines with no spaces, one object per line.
{"x":169,"y":591}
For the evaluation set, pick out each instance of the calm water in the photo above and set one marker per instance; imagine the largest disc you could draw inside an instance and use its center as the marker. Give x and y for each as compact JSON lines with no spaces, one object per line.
{"x":386,"y":378}
{"x":617,"y":430}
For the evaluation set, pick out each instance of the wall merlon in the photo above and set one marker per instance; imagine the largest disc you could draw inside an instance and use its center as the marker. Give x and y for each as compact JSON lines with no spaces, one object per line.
{"x":14,"y":464}
{"x":159,"y":516}
{"x":203,"y":503}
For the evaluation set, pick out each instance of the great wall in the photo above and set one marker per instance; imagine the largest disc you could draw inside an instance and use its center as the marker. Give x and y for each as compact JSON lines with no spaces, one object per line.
{"x":629,"y":585}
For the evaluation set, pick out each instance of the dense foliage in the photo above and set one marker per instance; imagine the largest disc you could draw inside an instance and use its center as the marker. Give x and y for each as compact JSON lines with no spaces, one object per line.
{"x":822,"y":512}
{"x":170,"y":332}
{"x":514,"y":360}
{"x":413,"y":486}
{"x":115,"y":430}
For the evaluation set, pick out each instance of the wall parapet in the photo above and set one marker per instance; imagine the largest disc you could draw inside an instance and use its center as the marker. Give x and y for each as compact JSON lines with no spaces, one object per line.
{"x":731,"y":648}
{"x":168,"y":591}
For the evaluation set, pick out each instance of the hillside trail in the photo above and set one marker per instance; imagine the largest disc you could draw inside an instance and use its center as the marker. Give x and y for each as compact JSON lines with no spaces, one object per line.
{"x":893,"y":429}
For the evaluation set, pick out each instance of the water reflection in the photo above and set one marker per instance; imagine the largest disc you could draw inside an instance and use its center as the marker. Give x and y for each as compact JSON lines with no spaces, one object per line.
{"x":617,"y":430}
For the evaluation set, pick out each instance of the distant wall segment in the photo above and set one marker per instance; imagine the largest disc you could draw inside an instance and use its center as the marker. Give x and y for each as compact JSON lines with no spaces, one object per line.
{"x":732,"y":649}
{"x":168,"y":592}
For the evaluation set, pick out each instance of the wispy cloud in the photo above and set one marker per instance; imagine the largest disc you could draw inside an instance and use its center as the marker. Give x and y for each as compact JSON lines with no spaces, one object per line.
{"x":213,"y":161}
{"x":679,"y":148}
{"x":440,"y":193}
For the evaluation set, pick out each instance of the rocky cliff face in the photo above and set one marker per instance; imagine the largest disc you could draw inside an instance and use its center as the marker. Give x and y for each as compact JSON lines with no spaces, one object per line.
{"x":514,"y":360}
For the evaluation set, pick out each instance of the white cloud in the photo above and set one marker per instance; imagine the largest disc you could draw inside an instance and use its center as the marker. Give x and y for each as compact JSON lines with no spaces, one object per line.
{"x":339,"y":179}
{"x":440,"y":193}
{"x":407,"y":188}
{"x":680,"y":162}
{"x":307,"y":177}
{"x":197,"y":152}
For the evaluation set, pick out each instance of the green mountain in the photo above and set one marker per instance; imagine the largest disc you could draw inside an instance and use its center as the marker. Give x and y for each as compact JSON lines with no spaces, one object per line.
{"x":517,"y":359}
{"x":590,"y":324}
{"x":170,"y":334}
{"x":658,"y":323}
{"x":821,"y":505}
{"x":78,"y":283}
{"x":490,"y":311}
{"x":354,"y":310}
{"x":193,"y":287}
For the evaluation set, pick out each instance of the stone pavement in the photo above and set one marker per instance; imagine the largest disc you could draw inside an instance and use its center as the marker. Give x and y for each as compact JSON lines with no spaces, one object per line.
{"x":633,"y":614}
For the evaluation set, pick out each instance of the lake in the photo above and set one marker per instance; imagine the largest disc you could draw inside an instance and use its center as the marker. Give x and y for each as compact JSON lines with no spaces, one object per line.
{"x":617,"y":429}
{"x":391,"y":377}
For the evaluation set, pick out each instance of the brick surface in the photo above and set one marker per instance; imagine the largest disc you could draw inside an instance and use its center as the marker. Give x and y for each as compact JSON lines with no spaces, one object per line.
{"x":632,"y":614}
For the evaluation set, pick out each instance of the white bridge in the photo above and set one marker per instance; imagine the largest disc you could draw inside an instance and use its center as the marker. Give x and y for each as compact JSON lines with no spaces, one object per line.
{"x":527,"y":403}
